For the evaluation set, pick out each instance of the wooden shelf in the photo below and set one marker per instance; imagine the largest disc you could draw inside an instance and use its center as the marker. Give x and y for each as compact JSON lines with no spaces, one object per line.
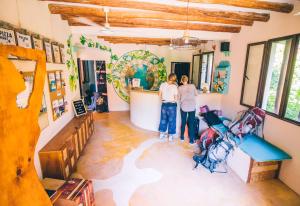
{"x":59,"y":156}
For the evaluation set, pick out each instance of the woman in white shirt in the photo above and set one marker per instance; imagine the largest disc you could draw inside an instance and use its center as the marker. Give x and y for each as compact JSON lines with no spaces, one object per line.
{"x":168,"y":93}
{"x":187,"y":97}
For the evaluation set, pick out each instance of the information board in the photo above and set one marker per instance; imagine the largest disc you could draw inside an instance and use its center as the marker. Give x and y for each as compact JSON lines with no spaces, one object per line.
{"x":79,"y":107}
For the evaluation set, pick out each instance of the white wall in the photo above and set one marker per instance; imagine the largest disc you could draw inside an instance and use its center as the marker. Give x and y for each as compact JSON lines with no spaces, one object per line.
{"x":34,"y":16}
{"x":278,"y":132}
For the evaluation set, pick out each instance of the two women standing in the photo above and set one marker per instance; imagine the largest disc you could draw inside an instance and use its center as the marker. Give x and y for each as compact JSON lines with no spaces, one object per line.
{"x":170,"y":94}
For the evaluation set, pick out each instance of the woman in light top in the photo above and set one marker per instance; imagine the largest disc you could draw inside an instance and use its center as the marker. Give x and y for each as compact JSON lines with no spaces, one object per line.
{"x":168,"y":93}
{"x":187,"y":97}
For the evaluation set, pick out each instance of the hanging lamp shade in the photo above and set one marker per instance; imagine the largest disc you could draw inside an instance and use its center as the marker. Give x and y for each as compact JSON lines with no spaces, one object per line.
{"x":186,"y":41}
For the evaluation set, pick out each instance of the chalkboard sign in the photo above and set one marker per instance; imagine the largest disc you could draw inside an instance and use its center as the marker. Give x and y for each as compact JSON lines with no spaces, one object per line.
{"x":79,"y":107}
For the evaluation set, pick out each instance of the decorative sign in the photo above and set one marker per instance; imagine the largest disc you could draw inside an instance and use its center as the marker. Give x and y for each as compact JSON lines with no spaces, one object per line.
{"x":62,"y":54}
{"x":37,"y":43}
{"x":79,"y":107}
{"x":48,"y":51}
{"x":7,"y":37}
{"x":24,"y":40}
{"x":221,"y":78}
{"x":56,"y":53}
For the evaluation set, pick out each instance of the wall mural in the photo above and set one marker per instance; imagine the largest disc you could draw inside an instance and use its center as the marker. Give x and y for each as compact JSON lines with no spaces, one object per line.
{"x":71,"y":65}
{"x":140,"y":64}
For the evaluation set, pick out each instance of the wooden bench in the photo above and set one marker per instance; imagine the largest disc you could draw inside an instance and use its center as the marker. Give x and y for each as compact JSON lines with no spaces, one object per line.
{"x":256,"y":159}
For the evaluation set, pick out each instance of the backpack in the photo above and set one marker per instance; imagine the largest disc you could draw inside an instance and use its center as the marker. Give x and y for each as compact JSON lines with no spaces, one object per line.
{"x":216,"y":154}
{"x":250,"y":121}
{"x":206,"y":138}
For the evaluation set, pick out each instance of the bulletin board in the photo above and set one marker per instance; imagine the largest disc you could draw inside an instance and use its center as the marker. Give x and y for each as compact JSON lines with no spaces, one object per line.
{"x":57,"y":92}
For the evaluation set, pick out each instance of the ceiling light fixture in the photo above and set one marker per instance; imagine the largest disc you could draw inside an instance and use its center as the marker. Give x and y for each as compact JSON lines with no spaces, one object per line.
{"x":186,"y":41}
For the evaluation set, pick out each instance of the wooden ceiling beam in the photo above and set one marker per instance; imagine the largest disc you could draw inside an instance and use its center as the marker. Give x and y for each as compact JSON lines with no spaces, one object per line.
{"x":160,"y":24}
{"x":138,"y":40}
{"x":173,"y":9}
{"x":96,"y":12}
{"x":253,"y":4}
{"x":135,"y":40}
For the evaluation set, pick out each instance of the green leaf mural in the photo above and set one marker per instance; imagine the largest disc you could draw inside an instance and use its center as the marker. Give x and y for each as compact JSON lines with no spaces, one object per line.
{"x":139,"y":63}
{"x":71,"y":65}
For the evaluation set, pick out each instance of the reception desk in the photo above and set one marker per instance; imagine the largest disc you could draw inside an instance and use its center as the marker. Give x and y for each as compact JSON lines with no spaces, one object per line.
{"x":145,"y":108}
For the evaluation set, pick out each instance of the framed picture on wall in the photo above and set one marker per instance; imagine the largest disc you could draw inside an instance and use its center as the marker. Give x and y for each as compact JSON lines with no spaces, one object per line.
{"x":24,"y":39}
{"x":7,"y":36}
{"x":48,"y":50}
{"x":56,"y":53}
{"x":62,"y":53}
{"x":37,"y":42}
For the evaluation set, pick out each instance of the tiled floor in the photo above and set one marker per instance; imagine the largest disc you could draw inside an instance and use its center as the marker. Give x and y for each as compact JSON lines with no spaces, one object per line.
{"x":130,"y":166}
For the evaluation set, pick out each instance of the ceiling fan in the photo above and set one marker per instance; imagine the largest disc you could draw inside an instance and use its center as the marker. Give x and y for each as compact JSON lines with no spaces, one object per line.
{"x":106,"y":26}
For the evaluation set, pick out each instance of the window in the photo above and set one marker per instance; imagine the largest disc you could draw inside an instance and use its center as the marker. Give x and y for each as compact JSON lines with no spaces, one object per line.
{"x":292,"y":111}
{"x":252,"y":72}
{"x":276,"y":74}
{"x":272,"y":77}
{"x":202,"y":70}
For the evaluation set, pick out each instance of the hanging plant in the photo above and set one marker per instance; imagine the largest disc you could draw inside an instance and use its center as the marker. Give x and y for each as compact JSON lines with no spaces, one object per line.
{"x":71,"y":65}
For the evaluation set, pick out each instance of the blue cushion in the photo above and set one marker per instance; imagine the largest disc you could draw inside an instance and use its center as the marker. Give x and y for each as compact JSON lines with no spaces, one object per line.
{"x":260,"y":150}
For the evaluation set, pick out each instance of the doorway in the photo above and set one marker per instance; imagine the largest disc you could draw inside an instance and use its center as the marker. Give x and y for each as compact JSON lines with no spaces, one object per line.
{"x":87,"y":80}
{"x":180,"y":69}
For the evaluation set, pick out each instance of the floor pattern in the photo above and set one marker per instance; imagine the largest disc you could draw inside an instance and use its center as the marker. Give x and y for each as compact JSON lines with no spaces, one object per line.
{"x":130,"y":166}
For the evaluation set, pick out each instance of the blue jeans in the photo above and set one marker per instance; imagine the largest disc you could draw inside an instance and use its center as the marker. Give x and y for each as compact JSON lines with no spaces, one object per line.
{"x":190,"y":121}
{"x":168,"y":118}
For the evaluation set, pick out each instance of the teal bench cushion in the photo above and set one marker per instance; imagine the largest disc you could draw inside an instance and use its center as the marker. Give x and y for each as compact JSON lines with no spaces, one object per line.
{"x":260,"y":150}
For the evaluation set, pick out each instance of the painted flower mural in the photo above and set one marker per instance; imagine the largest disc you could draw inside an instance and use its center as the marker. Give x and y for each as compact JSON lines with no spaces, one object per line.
{"x":140,"y":64}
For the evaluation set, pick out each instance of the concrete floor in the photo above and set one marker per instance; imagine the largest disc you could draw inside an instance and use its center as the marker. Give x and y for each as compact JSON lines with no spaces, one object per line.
{"x":130,"y":166}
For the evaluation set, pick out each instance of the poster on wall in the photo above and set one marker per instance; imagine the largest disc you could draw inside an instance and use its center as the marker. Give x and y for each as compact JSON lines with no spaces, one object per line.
{"x":48,"y":50}
{"x":58,"y":80}
{"x":7,"y":36}
{"x":62,"y":54}
{"x":56,"y":53}
{"x":55,"y":108}
{"x":102,"y":101}
{"x":24,"y":40}
{"x":37,"y":43}
{"x":52,"y":82}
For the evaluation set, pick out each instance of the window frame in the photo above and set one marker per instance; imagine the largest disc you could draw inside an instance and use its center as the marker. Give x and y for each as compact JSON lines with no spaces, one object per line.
{"x":295,"y":38}
{"x":198,"y":86}
{"x":212,"y":68}
{"x":260,"y":74}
